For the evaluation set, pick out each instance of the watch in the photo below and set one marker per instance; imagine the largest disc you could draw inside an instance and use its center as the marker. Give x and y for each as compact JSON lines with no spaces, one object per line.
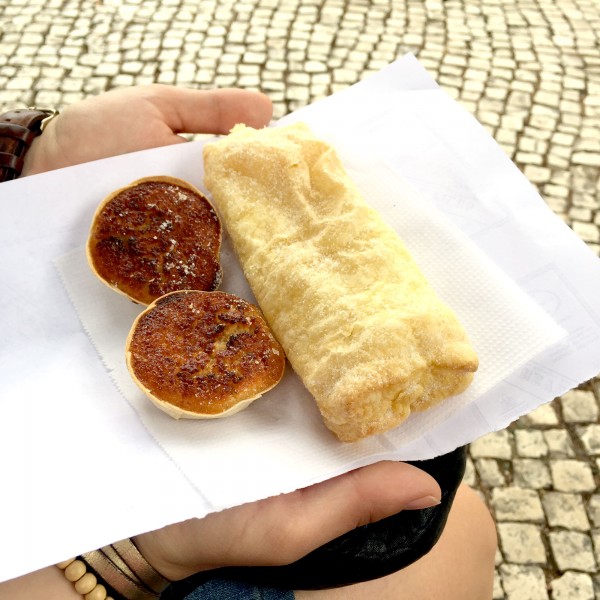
{"x":18,"y":129}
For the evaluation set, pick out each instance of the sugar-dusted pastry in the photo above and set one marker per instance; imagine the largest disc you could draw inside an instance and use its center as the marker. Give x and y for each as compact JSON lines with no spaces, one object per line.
{"x":203,"y":355}
{"x":156,"y":235}
{"x":358,"y":321}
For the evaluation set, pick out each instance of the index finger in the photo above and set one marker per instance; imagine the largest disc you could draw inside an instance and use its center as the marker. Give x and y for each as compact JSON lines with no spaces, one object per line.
{"x":210,"y":111}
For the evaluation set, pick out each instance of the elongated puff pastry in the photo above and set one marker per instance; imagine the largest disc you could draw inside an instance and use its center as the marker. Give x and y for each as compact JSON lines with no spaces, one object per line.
{"x":357,"y":319}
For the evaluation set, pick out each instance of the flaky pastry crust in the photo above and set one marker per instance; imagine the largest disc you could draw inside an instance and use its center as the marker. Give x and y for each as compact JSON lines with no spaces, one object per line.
{"x":358,"y":320}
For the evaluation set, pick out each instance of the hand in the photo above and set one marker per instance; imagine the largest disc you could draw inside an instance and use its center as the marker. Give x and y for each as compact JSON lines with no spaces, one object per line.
{"x":282,"y":529}
{"x":138,"y":118}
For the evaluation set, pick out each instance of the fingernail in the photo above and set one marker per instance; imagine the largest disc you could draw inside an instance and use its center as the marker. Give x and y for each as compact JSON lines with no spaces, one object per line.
{"x":425,"y":502}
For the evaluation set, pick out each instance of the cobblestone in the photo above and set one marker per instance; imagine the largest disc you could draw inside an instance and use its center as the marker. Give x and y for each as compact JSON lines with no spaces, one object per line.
{"x":559,"y":443}
{"x":529,"y":70}
{"x":522,"y":543}
{"x":542,"y":416}
{"x":523,"y":583}
{"x":490,"y":473}
{"x":579,"y":406}
{"x":516,"y":504}
{"x":572,"y":475}
{"x":573,"y":586}
{"x":572,"y":550}
{"x":531,"y":473}
{"x":530,"y":443}
{"x":565,"y":510}
{"x":594,"y":509}
{"x":590,"y":438}
{"x":493,"y":445}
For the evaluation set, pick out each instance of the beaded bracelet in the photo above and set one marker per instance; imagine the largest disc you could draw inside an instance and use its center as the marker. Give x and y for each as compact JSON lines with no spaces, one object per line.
{"x":85,"y":582}
{"x":118,"y":569}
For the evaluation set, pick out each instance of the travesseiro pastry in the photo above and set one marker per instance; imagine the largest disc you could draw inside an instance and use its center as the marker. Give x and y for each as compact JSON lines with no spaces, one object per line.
{"x":359,"y":322}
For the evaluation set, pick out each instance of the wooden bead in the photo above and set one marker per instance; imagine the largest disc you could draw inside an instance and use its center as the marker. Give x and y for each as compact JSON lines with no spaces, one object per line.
{"x":65,"y":563}
{"x":86,"y":584}
{"x":75,"y":570}
{"x":98,"y":593}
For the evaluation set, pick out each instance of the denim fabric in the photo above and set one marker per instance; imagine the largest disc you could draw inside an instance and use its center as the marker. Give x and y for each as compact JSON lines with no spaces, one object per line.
{"x":224,"y":589}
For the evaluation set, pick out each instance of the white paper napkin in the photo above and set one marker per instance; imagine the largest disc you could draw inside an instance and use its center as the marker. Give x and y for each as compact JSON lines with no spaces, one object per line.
{"x":74,"y":451}
{"x":232,"y":460}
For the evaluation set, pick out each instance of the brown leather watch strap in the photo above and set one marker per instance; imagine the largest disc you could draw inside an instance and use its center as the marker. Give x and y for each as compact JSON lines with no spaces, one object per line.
{"x":18,"y":129}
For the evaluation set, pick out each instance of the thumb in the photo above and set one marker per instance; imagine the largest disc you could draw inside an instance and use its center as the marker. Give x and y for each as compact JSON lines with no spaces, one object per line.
{"x":366,"y":495}
{"x":294,"y":524}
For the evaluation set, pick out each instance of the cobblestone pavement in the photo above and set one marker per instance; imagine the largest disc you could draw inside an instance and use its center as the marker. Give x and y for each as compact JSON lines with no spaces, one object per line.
{"x":528,"y":69}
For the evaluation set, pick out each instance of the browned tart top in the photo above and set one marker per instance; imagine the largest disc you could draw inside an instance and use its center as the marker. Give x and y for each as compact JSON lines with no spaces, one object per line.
{"x":156,"y":236}
{"x":203,"y":352}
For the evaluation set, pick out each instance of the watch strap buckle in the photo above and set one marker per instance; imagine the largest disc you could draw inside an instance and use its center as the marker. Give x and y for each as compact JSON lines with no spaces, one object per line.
{"x":50,"y":114}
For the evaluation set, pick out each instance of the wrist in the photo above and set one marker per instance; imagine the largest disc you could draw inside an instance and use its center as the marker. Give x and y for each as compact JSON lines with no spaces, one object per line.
{"x":41,"y":152}
{"x":19,"y":130}
{"x":118,"y":570}
{"x":156,"y":548}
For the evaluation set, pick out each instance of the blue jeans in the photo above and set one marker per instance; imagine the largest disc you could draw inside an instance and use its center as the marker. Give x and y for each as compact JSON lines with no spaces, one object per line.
{"x":224,"y":589}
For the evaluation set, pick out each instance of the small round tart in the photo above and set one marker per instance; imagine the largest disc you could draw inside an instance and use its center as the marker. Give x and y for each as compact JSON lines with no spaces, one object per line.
{"x":154,"y":236}
{"x":203,"y":355}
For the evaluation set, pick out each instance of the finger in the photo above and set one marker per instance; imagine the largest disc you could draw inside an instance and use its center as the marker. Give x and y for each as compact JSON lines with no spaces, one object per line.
{"x":211,"y":111}
{"x":372,"y":493}
{"x":332,"y":508}
{"x":294,"y":523}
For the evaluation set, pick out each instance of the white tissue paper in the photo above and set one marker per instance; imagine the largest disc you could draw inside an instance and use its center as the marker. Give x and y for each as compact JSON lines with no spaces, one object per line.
{"x":87,"y":459}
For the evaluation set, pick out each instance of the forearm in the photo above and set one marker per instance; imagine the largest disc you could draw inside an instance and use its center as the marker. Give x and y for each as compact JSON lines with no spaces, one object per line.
{"x":45,"y":584}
